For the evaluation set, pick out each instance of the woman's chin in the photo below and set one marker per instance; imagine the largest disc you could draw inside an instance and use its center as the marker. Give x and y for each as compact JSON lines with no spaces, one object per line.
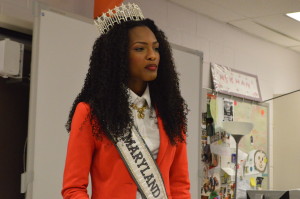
{"x":151,"y":78}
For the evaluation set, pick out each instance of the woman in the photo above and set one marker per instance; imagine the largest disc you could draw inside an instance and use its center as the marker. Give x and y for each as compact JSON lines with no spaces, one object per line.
{"x":131,"y":84}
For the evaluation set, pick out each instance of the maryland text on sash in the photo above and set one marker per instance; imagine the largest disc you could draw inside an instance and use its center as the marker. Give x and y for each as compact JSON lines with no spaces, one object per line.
{"x":142,"y":166}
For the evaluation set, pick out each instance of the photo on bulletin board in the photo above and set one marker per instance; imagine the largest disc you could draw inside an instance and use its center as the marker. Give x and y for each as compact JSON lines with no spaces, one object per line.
{"x":228,"y":109}
{"x":219,"y":148}
{"x":235,"y":83}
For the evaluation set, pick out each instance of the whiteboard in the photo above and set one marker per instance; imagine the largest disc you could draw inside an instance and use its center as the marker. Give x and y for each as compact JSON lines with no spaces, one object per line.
{"x":61,"y":50}
{"x":189,"y":67}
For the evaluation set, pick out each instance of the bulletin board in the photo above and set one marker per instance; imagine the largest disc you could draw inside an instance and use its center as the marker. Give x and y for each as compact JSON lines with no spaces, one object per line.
{"x":218,"y":154}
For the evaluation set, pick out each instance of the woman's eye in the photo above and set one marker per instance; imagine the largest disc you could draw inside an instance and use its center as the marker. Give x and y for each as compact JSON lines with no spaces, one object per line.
{"x":156,"y":49}
{"x":139,"y":49}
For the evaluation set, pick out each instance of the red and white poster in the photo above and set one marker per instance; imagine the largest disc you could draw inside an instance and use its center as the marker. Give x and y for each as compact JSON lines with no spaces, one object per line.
{"x":235,"y":83}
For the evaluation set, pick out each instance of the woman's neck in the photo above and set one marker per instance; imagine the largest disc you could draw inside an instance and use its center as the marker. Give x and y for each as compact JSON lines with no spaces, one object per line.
{"x":138,"y":88}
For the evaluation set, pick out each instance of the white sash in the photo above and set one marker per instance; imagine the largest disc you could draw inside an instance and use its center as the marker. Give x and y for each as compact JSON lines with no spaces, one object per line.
{"x":141,"y":165}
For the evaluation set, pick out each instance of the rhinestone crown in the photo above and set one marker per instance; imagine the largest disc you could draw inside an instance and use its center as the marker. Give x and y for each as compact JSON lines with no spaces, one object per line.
{"x":117,"y":15}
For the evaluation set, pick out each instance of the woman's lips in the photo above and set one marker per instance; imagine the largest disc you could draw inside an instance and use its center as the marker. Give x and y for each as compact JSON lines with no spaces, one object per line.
{"x":151,"y":67}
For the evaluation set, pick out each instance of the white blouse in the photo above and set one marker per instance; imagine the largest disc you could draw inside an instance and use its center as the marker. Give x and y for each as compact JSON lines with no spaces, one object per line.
{"x":148,"y":126}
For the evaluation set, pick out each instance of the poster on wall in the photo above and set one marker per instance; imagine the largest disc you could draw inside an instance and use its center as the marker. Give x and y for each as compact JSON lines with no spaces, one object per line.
{"x":235,"y":83}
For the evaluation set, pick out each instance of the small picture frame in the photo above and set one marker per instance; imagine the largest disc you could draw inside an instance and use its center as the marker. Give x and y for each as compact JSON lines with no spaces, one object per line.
{"x":236,"y":83}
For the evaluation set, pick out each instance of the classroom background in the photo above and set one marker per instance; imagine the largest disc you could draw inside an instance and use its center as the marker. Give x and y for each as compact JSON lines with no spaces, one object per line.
{"x":192,"y":33}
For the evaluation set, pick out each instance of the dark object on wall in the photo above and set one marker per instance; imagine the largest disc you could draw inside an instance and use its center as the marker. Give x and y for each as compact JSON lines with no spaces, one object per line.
{"x":267,"y":194}
{"x":14,"y":105}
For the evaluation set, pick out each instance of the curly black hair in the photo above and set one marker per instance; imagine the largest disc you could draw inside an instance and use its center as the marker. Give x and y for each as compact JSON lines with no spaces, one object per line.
{"x":105,"y":87}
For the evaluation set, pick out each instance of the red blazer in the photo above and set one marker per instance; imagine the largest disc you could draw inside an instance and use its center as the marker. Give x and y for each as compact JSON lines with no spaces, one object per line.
{"x":109,"y":175}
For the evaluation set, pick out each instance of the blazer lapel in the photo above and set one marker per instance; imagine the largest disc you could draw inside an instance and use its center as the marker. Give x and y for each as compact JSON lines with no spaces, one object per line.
{"x":164,"y":141}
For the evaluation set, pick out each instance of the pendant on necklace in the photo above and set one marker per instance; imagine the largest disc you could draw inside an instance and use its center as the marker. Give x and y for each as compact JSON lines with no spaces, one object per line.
{"x":141,"y":114}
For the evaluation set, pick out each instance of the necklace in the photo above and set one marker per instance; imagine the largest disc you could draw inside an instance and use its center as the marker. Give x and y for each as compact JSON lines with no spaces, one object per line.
{"x":140,"y":111}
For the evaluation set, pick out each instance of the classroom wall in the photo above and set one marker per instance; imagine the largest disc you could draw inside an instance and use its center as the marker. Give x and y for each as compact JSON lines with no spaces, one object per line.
{"x":219,"y":42}
{"x":286,"y":139}
{"x":226,"y":45}
{"x":276,"y":67}
{"x":23,"y":9}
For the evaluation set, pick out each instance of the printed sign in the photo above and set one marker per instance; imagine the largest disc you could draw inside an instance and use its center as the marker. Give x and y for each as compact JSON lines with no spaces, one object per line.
{"x":236,"y":83}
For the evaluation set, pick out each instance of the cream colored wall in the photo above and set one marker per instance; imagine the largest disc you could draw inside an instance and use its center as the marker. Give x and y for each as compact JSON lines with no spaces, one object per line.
{"x":18,"y":14}
{"x":286,"y":138}
{"x":276,"y":67}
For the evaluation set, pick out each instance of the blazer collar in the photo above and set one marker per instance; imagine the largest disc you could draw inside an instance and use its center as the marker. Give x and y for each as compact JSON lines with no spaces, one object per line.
{"x":135,"y":99}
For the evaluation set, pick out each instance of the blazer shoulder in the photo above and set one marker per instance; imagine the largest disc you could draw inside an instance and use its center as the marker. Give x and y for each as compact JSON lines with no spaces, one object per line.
{"x":81,"y":114}
{"x":83,"y":107}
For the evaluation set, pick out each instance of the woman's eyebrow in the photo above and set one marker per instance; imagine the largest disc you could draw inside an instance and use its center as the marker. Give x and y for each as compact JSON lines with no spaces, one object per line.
{"x":145,"y":43}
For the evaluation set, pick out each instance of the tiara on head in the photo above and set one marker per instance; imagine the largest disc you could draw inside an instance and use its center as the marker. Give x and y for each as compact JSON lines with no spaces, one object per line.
{"x":128,"y":12}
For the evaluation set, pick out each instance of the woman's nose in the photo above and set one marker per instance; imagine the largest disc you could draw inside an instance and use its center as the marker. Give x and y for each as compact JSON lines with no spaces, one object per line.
{"x":151,"y":55}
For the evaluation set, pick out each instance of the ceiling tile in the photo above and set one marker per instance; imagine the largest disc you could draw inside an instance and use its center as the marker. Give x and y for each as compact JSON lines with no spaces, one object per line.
{"x":281,"y":24}
{"x":296,"y":48}
{"x":257,"y":8}
{"x":209,"y":9}
{"x":263,"y":18}
{"x":260,"y":31}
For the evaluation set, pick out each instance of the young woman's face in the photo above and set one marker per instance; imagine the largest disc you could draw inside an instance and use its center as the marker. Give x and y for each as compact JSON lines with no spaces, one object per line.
{"x":143,"y":55}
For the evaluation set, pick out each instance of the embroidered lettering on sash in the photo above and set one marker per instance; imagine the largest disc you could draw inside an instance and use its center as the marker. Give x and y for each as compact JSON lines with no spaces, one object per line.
{"x":142,"y":166}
